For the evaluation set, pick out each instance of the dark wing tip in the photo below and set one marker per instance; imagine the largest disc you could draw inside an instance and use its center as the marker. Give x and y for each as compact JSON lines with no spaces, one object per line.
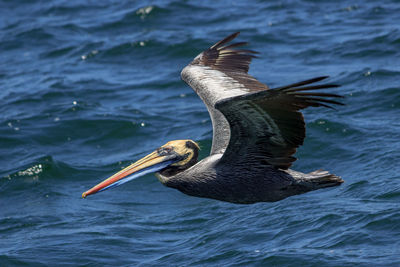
{"x":289,"y":89}
{"x":225,"y":40}
{"x":299,"y":96}
{"x":224,"y":56}
{"x":293,"y":85}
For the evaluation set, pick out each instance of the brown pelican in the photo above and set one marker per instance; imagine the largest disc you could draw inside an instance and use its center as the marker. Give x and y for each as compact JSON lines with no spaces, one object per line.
{"x":256,"y":131}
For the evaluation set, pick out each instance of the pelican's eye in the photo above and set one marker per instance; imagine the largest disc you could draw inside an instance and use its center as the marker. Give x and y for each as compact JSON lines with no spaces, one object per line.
{"x":168,"y":149}
{"x":163,"y":151}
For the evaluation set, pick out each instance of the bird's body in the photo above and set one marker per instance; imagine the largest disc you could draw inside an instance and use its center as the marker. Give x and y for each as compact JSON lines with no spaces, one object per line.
{"x":245,"y":184}
{"x":256,"y":131}
{"x":219,"y":181}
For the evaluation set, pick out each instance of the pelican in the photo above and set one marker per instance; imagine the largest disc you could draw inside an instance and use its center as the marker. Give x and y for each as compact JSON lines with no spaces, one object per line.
{"x":256,"y":131}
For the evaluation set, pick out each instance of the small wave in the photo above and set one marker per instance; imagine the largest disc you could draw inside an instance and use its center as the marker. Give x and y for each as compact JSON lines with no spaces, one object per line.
{"x":35,"y":35}
{"x":33,"y":171}
{"x":129,"y":19}
{"x":391,"y":195}
{"x":144,"y":11}
{"x":58,"y":52}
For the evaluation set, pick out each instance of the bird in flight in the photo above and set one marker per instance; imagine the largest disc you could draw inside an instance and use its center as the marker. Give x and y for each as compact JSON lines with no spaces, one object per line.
{"x":256,"y":131}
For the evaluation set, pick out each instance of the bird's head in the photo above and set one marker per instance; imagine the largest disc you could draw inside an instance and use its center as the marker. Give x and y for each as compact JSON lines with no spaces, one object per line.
{"x":167,"y":160}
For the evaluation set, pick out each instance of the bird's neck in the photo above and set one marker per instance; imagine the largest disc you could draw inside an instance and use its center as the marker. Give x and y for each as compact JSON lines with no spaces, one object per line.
{"x":163,"y":179}
{"x":167,"y":174}
{"x":173,"y":181}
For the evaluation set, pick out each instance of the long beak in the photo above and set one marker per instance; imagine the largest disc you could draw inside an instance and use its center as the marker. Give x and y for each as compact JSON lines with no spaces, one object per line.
{"x":151,"y":163}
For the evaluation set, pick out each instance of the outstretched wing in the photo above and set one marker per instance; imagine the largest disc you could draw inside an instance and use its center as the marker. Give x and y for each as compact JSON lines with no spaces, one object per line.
{"x":218,"y":73}
{"x":251,"y":123}
{"x":267,"y":127}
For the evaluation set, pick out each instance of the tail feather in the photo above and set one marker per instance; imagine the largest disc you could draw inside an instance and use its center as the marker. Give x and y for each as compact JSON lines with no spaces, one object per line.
{"x":321,"y":179}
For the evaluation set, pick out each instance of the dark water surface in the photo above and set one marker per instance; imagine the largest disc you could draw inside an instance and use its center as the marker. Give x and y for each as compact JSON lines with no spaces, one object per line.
{"x":86,"y":87}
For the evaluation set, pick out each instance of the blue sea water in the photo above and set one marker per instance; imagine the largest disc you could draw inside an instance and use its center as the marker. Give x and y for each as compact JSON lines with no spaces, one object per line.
{"x":87,"y":87}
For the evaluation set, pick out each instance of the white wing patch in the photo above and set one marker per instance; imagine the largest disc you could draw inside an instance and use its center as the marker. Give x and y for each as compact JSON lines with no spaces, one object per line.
{"x":211,"y":85}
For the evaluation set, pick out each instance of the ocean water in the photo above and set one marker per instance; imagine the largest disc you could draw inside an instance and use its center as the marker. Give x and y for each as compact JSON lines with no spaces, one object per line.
{"x":87,"y":87}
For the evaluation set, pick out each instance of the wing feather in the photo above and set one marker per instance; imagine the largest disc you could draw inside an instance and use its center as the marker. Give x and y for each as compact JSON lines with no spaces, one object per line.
{"x":267,"y":126}
{"x":233,"y":63}
{"x":252,"y":123}
{"x":221,"y":72}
